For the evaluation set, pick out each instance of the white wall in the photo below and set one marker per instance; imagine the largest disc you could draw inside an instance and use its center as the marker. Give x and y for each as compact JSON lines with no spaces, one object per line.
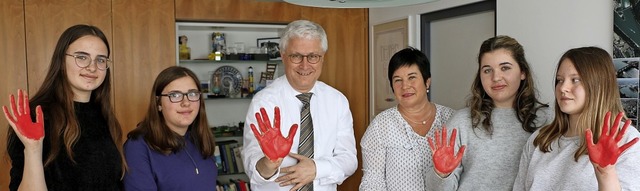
{"x":546,"y":28}
{"x":454,"y":50}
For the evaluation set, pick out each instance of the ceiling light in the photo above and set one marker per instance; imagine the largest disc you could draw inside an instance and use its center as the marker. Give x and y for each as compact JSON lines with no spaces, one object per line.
{"x":356,"y":3}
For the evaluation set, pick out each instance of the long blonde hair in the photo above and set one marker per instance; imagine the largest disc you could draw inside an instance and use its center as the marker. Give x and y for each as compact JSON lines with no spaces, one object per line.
{"x":595,"y":67}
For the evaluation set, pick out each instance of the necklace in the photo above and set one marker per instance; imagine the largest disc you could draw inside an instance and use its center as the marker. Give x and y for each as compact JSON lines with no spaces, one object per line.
{"x":424,"y":122}
{"x":193,"y":161}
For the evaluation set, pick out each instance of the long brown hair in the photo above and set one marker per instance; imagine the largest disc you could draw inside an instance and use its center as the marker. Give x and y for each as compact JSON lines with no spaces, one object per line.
{"x":598,"y":77}
{"x":526,"y":104}
{"x":154,"y":129}
{"x":56,"y":98}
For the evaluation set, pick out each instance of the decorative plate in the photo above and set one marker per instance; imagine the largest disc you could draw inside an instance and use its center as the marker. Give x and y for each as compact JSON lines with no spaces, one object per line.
{"x":229,"y":76}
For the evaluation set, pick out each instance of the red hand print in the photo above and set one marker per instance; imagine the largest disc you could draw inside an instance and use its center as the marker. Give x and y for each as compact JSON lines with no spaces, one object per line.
{"x":443,"y":159}
{"x":606,"y":151}
{"x":20,"y":117}
{"x":272,"y":143}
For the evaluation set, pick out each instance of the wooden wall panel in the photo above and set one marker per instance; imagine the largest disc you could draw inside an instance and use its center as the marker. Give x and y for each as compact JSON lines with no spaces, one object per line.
{"x":45,"y":20}
{"x":13,"y":64}
{"x":346,"y":66}
{"x":250,"y":11}
{"x":144,"y":44}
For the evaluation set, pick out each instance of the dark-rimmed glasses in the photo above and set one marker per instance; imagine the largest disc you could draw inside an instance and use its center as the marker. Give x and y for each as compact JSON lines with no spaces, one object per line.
{"x":311,"y":58}
{"x":176,"y":97}
{"x":83,"y":61}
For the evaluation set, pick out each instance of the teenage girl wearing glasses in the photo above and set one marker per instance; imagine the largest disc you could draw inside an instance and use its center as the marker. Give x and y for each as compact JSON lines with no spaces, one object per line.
{"x":76,"y":141}
{"x":172,"y":148}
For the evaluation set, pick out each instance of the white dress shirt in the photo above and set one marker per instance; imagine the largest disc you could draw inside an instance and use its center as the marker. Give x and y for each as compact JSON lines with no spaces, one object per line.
{"x":334,"y":141}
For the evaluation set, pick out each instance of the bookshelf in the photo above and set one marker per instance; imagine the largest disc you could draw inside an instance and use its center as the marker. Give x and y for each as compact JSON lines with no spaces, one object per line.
{"x":243,"y":46}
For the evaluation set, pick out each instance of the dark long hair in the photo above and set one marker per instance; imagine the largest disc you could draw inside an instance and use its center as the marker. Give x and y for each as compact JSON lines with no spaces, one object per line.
{"x":56,"y":98}
{"x":154,"y":129}
{"x":526,"y":104}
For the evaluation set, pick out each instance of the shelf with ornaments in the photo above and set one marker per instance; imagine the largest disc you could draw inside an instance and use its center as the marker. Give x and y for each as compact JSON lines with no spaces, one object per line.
{"x":233,"y":61}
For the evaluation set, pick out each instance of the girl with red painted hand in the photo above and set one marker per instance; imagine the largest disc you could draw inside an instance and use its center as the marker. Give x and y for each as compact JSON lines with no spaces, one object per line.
{"x":76,"y":141}
{"x":502,"y":113}
{"x":579,"y":150}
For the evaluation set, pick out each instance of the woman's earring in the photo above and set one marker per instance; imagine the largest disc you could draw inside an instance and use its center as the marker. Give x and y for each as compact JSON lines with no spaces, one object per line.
{"x":159,"y":108}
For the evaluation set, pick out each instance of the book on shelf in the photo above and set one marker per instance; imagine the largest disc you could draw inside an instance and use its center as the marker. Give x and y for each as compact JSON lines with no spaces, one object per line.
{"x":216,"y":155}
{"x":224,"y":155}
{"x":237,"y":154}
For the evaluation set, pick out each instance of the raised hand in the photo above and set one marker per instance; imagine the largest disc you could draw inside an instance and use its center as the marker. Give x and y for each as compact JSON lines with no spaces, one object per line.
{"x":272,"y":143}
{"x":20,"y":118}
{"x":606,"y":151}
{"x":444,"y":161}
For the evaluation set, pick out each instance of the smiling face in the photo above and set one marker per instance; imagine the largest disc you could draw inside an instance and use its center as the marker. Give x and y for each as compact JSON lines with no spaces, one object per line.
{"x":302,"y":76}
{"x":409,"y":86}
{"x":178,"y":116}
{"x":84,"y":80}
{"x":570,"y":92}
{"x":500,"y":75}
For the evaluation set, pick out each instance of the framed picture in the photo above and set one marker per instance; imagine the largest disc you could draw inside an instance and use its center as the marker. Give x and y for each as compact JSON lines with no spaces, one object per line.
{"x":388,"y":38}
{"x":272,"y":45}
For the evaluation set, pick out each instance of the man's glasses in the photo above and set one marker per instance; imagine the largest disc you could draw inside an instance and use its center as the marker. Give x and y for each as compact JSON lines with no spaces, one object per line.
{"x":176,"y":97}
{"x":83,"y":61}
{"x":311,"y":58}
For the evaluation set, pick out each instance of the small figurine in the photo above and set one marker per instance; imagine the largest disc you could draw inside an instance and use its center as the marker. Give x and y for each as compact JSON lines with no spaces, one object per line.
{"x":185,"y":51}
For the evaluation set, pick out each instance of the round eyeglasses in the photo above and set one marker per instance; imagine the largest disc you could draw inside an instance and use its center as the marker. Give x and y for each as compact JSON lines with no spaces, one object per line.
{"x":311,"y":58}
{"x":176,"y":97}
{"x":83,"y":61}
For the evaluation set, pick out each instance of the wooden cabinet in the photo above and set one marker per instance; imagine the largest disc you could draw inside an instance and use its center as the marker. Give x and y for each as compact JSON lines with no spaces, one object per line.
{"x":45,"y":21}
{"x":250,"y":11}
{"x":13,"y":64}
{"x":143,"y":45}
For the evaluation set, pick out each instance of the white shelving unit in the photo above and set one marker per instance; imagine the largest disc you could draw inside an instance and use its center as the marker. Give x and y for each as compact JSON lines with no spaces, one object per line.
{"x":226,"y":111}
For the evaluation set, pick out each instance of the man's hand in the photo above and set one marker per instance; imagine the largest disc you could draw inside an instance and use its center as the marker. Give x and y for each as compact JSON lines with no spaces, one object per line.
{"x":20,"y":118}
{"x":272,"y":143}
{"x":606,"y":151}
{"x":300,"y":174}
{"x":443,"y":160}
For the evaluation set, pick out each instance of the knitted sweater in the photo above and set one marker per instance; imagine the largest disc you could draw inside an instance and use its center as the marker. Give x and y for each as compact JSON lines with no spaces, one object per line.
{"x":490,"y":161}
{"x":97,"y":161}
{"x":558,"y":170}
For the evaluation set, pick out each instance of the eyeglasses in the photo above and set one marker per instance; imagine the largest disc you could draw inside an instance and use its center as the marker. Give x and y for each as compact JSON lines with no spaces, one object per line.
{"x":83,"y":61}
{"x":311,"y":58}
{"x":176,"y":97}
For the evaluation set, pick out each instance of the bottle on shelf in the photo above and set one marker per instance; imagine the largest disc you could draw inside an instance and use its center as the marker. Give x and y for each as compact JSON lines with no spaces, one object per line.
{"x":251,"y":80}
{"x":245,"y":88}
{"x":215,"y":87}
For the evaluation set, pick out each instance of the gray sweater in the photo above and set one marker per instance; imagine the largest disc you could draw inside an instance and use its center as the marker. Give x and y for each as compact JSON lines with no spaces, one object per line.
{"x":490,"y":162}
{"x":558,"y":170}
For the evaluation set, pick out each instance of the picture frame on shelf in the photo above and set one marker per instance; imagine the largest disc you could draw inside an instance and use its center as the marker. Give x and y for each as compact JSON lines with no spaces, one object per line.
{"x":271,"y":44}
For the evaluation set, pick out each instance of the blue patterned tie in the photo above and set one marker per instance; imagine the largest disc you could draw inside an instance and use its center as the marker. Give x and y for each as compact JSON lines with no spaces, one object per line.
{"x":306,"y":132}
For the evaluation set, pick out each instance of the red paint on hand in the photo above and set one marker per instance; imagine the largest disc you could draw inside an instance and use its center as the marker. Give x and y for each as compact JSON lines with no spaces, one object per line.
{"x":443,"y":159}
{"x":606,"y":151}
{"x":21,"y":117}
{"x":272,"y":143}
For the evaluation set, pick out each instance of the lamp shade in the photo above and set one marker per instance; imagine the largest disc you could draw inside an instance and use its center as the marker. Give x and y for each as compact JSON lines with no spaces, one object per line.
{"x":356,"y":3}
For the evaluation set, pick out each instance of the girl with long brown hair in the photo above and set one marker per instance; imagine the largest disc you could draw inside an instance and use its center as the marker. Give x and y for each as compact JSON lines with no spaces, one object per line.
{"x":77,"y":142}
